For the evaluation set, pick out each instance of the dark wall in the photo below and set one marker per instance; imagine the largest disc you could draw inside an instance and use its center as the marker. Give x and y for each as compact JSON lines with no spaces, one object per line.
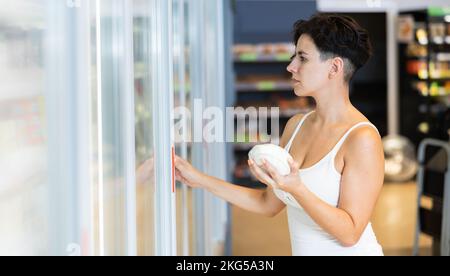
{"x":268,"y":21}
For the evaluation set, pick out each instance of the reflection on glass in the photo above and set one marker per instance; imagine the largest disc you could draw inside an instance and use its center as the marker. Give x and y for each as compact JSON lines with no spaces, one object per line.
{"x":144,"y":129}
{"x":23,"y":137}
{"x":111,"y":221}
{"x":182,"y":88}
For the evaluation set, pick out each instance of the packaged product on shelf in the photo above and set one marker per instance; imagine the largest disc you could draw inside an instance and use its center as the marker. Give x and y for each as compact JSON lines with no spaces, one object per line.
{"x":447,"y":37}
{"x":405,"y":32}
{"x":443,"y":57}
{"x":416,"y":50}
{"x":240,"y":49}
{"x":421,"y":33}
{"x":285,"y":48}
{"x":437,"y":32}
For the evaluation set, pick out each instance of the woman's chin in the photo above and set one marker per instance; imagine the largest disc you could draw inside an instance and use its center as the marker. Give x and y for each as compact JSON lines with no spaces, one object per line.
{"x":298,"y":92}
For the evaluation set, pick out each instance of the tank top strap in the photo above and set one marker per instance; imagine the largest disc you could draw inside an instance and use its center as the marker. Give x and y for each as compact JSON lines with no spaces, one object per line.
{"x":289,"y":144}
{"x":336,"y":148}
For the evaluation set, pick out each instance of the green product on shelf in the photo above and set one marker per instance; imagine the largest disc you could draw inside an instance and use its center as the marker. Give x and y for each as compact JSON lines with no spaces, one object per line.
{"x":248,"y":57}
{"x":438,"y":11}
{"x":266,"y":85}
{"x":283,"y":57}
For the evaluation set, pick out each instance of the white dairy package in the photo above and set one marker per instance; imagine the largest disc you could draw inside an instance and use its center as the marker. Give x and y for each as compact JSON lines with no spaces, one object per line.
{"x":277,"y":156}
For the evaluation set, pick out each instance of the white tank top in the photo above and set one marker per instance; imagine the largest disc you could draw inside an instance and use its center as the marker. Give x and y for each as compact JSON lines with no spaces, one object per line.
{"x":322,"y":178}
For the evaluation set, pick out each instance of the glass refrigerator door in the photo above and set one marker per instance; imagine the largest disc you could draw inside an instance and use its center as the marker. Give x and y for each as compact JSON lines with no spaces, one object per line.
{"x":23,"y":136}
{"x":134,"y":192}
{"x":181,"y":132}
{"x":144,"y":129}
{"x":87,"y":139}
{"x":44,"y":145}
{"x":133,"y":128}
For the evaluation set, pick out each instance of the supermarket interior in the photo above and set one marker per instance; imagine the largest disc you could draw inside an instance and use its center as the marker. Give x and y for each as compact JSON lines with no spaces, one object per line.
{"x":101,"y":99}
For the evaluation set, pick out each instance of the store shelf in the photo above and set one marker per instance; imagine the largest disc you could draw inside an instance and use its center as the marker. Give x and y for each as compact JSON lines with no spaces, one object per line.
{"x":262,"y":58}
{"x":263,"y":52}
{"x":262,"y":86}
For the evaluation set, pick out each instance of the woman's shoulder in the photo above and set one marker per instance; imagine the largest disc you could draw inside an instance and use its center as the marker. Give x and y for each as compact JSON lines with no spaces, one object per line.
{"x":364,"y":135}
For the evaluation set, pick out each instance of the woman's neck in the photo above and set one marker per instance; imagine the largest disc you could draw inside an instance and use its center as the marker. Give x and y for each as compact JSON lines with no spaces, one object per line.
{"x":333,"y":106}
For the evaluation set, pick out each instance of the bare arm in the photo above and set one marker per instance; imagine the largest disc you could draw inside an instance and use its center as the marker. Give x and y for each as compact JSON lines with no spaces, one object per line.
{"x":253,"y":200}
{"x":258,"y":201}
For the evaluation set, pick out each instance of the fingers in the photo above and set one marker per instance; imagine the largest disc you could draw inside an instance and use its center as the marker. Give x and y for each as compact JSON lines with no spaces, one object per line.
{"x":251,"y":166}
{"x":260,"y":174}
{"x":272,"y":171}
{"x":295,"y":167}
{"x":178,"y":160}
{"x":180,"y":163}
{"x":179,"y":177}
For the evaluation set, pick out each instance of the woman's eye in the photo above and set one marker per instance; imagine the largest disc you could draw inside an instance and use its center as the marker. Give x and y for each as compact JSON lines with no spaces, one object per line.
{"x":302,"y":59}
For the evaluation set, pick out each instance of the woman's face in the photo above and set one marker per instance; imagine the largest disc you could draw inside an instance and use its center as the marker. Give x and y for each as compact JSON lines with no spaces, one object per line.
{"x":309,"y":72}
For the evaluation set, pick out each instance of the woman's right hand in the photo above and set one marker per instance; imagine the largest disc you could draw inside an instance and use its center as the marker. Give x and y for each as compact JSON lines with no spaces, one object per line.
{"x":260,"y":174}
{"x":186,"y":173}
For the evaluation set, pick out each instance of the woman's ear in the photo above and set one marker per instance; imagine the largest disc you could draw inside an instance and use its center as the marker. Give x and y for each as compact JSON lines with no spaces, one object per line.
{"x":337,"y":67}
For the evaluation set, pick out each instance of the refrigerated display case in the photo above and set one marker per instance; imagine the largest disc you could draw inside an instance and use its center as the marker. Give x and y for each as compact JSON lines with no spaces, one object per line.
{"x":87,"y":98}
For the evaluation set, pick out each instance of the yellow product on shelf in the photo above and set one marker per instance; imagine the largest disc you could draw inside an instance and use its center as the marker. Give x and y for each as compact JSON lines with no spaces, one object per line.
{"x":423,"y":72}
{"x":434,"y":89}
{"x":421,"y":35}
{"x":434,"y":74}
{"x":422,"y":87}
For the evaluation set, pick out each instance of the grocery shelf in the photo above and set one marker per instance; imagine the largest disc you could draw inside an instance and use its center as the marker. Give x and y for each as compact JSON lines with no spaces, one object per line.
{"x":425,"y":77}
{"x":263,"y":86}
{"x":262,"y":58}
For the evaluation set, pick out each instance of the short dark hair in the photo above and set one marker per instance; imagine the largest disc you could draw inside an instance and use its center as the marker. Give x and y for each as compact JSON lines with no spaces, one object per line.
{"x":337,"y":36}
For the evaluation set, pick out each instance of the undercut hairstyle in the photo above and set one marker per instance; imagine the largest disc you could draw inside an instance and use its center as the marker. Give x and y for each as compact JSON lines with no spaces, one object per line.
{"x":337,"y":36}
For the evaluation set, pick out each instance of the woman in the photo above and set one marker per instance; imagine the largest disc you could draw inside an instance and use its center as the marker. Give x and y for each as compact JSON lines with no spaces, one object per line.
{"x":338,"y":164}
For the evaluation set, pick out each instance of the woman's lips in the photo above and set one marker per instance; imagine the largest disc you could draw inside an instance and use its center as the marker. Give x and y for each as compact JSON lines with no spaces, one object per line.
{"x":295,"y":82}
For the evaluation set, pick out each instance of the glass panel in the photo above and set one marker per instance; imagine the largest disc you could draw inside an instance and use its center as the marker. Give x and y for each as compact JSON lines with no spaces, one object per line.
{"x":188,"y":98}
{"x":23,"y":134}
{"x":113,"y":168}
{"x":111,"y":125}
{"x":181,"y":75}
{"x":144,"y":128}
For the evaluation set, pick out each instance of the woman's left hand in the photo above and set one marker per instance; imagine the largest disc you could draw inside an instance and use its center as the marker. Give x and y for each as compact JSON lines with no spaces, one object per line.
{"x":288,"y":183}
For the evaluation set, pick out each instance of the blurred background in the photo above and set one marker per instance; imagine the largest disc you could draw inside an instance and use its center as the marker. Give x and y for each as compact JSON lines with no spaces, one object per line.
{"x":88,"y":131}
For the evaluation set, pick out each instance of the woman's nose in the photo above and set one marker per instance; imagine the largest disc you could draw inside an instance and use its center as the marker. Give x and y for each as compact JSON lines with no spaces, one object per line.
{"x":291,"y":68}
